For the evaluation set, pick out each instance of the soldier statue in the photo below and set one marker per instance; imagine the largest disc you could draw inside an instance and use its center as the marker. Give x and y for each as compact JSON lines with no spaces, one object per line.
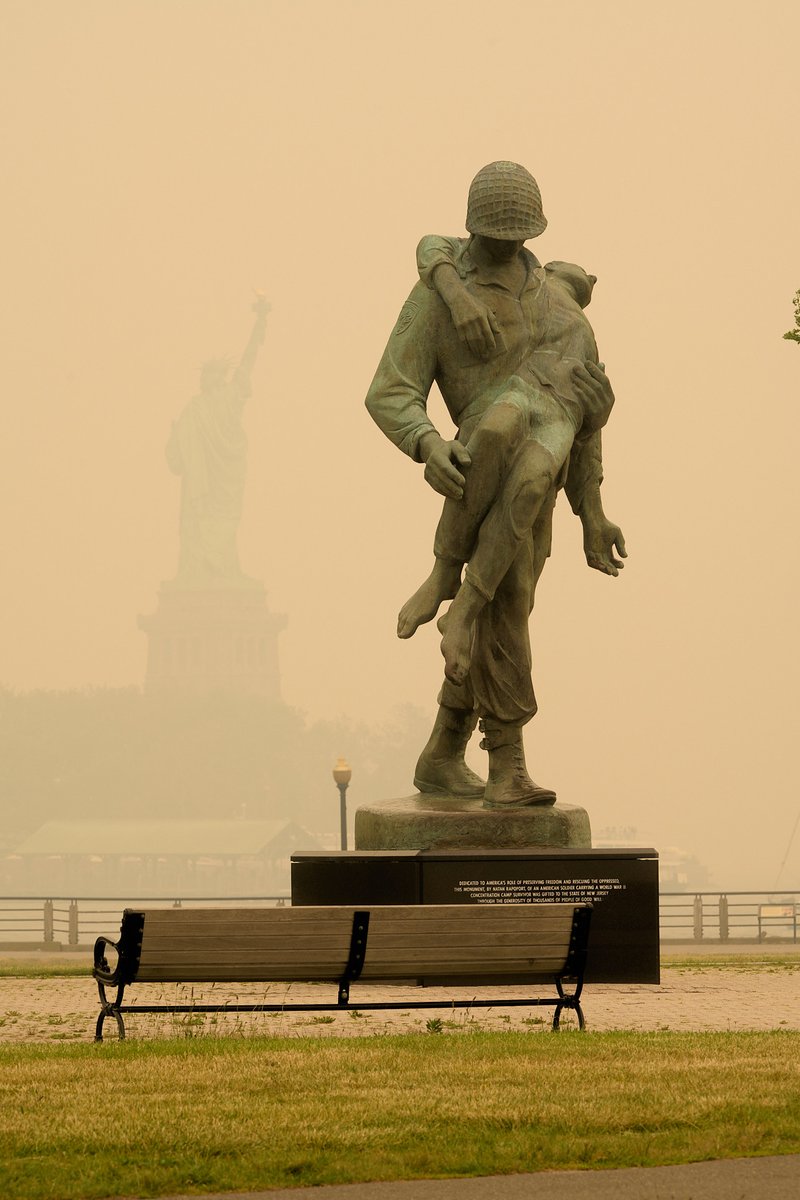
{"x":509,"y":346}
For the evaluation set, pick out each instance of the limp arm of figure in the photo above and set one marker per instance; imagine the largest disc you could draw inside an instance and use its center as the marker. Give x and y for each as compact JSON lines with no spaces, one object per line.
{"x":473,"y":320}
{"x":601,"y":537}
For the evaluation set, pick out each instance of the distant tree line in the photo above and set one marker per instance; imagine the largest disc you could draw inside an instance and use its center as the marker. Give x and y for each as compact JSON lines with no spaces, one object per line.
{"x":114,"y":753}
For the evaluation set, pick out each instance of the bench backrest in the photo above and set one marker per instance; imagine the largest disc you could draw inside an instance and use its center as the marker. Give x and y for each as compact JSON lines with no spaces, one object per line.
{"x":309,"y":943}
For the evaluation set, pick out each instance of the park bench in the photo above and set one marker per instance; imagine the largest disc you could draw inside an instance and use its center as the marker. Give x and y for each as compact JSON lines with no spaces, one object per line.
{"x":452,"y":944}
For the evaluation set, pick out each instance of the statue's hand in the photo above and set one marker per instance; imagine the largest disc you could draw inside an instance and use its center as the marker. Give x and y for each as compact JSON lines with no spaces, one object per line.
{"x":600,"y":540}
{"x":475,"y":324}
{"x":595,"y":392}
{"x":442,"y":460}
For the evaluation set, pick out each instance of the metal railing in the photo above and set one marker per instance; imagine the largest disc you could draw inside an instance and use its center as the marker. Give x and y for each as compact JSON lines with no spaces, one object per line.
{"x":729,"y":916}
{"x":63,"y":922}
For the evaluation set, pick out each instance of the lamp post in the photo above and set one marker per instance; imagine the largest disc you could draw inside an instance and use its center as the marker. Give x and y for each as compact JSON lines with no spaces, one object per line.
{"x":342,"y":775}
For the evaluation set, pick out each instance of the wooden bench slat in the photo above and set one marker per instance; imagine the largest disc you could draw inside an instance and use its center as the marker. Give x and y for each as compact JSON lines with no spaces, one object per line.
{"x":296,"y":973}
{"x":516,"y":923}
{"x":421,"y":913}
{"x":416,"y":913}
{"x":423,"y":953}
{"x":378,"y":939}
{"x":409,"y":954}
{"x":286,"y":973}
{"x":264,"y":962}
{"x":234,"y":916}
{"x":271,"y":938}
{"x":248,"y":945}
{"x":276,"y":937}
{"x":378,"y":928}
{"x":469,"y":968}
{"x":200,"y":919}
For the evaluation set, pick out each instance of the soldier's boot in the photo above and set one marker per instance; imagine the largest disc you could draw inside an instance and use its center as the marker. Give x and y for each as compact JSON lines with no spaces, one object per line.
{"x":441,"y":769}
{"x":509,"y":784}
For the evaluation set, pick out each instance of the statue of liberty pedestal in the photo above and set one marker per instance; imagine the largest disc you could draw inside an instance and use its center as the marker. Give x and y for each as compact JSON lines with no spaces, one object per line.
{"x":208,"y":449}
{"x":212,"y":630}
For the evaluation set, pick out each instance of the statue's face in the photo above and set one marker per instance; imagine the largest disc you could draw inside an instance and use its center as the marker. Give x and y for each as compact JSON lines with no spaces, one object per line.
{"x":500,"y":249}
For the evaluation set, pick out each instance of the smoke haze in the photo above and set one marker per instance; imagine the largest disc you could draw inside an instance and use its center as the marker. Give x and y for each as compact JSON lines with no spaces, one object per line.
{"x":166,"y":158}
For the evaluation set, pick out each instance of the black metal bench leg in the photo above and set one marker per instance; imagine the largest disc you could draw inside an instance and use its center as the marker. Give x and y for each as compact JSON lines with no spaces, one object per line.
{"x":109,"y":1010}
{"x":567,"y":1000}
{"x":573,"y":1004}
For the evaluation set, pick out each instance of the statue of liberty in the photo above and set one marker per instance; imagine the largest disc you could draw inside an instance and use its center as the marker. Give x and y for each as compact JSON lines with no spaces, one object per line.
{"x":208,"y":449}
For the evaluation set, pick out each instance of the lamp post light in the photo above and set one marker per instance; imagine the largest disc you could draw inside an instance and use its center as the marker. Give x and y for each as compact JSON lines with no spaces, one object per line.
{"x":342,"y":774}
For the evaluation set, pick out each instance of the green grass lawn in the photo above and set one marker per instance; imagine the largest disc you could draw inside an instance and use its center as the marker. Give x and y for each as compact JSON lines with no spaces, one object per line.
{"x":26,"y":968}
{"x":152,"y":1118}
{"x":733,"y":962}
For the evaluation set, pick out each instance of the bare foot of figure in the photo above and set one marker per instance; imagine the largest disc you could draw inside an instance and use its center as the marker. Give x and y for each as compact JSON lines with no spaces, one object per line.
{"x":442,"y":584}
{"x":456,"y":647}
{"x":457,"y":626}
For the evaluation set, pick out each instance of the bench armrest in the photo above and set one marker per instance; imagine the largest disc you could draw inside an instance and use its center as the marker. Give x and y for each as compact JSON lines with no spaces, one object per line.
{"x":101,"y":970}
{"x":127,"y":949}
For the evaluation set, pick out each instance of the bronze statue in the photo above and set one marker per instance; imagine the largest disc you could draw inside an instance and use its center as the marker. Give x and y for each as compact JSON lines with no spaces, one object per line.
{"x":515,"y":359}
{"x":208,"y":449}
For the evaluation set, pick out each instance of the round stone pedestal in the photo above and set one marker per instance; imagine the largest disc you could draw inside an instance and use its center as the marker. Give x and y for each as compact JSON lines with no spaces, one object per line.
{"x":428,"y":822}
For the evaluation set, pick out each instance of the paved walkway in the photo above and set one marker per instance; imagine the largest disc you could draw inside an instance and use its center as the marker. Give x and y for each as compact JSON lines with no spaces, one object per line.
{"x":731,"y":1179}
{"x":753,"y":995}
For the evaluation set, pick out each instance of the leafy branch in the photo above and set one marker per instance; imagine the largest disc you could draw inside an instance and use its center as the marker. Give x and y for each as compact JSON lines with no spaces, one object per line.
{"x":793,"y":335}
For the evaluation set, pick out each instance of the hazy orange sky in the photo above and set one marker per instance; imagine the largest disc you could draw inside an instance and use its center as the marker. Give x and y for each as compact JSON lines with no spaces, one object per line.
{"x":164,"y":158}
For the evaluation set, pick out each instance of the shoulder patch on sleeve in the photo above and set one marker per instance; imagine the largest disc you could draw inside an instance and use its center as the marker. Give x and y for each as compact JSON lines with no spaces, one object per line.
{"x":407,"y":314}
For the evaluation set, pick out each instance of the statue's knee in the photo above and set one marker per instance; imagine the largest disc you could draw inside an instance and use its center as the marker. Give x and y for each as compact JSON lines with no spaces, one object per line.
{"x":502,"y":426}
{"x":527,"y":502}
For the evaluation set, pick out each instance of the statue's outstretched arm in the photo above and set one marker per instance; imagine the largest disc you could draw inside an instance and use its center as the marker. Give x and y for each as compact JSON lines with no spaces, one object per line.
{"x":246,"y":363}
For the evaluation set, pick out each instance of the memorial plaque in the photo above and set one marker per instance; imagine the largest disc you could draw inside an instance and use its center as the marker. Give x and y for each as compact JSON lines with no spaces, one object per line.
{"x":621,"y":884}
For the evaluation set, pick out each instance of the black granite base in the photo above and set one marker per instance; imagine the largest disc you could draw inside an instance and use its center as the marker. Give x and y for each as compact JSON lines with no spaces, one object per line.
{"x":622,"y":885}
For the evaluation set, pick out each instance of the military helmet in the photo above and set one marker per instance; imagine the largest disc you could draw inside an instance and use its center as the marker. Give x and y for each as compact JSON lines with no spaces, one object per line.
{"x":505,"y":202}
